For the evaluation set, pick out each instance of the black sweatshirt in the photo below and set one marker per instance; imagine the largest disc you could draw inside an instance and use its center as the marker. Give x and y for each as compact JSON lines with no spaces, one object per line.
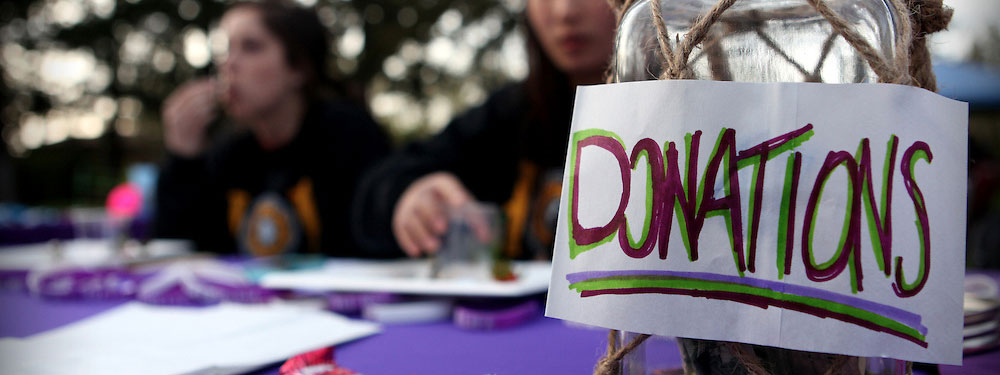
{"x":496,"y":149}
{"x":294,"y":199}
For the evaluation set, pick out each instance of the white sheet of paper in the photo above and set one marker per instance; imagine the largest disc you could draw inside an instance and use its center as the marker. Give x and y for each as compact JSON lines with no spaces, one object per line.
{"x":410,"y":276}
{"x":596,"y":281}
{"x":143,"y":339}
{"x":87,"y":252}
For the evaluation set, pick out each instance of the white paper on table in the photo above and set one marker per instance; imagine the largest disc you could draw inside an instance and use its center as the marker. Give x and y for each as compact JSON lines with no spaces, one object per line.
{"x":712,"y":297}
{"x":144,"y":339}
{"x":87,"y":252}
{"x":411,"y":276}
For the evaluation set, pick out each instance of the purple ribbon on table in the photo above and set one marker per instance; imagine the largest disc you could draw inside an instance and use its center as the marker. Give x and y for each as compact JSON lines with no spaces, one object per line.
{"x":200,"y":283}
{"x":186,"y":283}
{"x":490,"y":319}
{"x":106,"y":282}
{"x":353,"y":303}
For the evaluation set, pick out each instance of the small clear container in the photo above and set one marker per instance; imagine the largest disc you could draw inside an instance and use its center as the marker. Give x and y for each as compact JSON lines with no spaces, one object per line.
{"x":467,"y":248}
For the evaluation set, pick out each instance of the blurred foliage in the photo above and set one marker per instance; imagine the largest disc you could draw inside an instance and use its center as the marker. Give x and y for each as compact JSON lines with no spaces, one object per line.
{"x":986,"y":50}
{"x":83,"y":80}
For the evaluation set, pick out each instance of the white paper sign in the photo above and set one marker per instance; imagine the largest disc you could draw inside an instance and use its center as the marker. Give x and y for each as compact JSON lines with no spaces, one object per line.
{"x":817,"y":217}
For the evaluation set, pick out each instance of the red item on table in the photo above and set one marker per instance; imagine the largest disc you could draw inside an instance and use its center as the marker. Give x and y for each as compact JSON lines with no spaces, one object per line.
{"x":316,"y":362}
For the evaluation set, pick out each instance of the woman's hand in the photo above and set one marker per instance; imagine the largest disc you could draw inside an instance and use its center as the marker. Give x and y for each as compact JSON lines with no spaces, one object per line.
{"x":186,"y":115}
{"x":421,"y":215}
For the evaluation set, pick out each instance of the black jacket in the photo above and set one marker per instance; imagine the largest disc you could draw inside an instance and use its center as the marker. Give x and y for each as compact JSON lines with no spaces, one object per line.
{"x":489,"y":148}
{"x":297,"y":198}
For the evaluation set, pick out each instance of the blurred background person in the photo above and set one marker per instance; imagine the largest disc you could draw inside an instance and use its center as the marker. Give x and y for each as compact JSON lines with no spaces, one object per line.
{"x":285,"y":180}
{"x":509,"y":150}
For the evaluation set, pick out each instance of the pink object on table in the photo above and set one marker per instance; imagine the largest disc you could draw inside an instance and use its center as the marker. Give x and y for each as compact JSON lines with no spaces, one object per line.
{"x":124,"y":201}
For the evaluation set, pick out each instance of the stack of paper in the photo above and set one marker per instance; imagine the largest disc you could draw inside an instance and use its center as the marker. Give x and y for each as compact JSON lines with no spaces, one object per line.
{"x":143,"y":339}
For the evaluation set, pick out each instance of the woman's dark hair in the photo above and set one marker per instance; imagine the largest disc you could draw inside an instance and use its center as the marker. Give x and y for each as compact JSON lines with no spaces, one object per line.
{"x":306,"y":43}
{"x":547,"y":88}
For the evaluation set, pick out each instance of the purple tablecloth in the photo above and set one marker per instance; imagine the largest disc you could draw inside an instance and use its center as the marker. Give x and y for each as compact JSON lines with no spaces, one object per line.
{"x":22,"y":315}
{"x":543,"y":346}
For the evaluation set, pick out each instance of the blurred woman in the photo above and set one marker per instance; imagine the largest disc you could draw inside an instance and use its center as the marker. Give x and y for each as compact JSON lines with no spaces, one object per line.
{"x":285,"y":181}
{"x":509,"y":151}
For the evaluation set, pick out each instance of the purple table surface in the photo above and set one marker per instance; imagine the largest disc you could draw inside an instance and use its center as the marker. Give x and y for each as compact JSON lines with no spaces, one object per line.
{"x":22,"y":315}
{"x":542,"y":346}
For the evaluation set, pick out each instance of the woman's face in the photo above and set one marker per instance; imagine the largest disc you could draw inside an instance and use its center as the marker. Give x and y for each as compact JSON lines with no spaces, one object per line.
{"x":577,"y":35}
{"x":255,"y":76}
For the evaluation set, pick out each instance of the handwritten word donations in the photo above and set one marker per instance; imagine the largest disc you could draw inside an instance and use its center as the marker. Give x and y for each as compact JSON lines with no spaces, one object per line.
{"x":670,"y":193}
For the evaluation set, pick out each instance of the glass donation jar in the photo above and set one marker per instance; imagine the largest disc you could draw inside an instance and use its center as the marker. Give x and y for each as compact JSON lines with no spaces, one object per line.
{"x":755,"y":41}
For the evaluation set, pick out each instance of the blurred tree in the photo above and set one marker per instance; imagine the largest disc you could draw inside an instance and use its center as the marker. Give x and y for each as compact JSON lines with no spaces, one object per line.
{"x":986,"y":49}
{"x":90,"y":75}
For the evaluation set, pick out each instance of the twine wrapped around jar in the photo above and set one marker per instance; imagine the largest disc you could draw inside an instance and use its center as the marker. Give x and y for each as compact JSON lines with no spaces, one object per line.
{"x":910,"y":64}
